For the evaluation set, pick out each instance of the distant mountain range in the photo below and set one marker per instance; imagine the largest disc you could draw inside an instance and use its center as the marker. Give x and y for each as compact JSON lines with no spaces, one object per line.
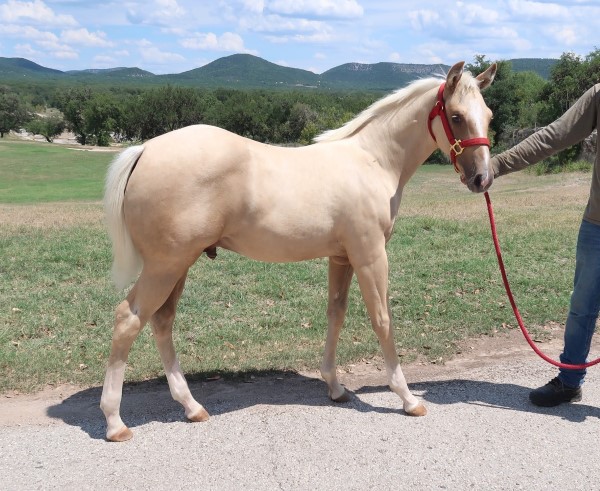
{"x":243,"y":71}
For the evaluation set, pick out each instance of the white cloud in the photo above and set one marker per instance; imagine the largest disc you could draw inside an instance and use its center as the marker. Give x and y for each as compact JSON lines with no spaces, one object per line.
{"x":82,"y":37}
{"x":26,"y":51}
{"x":143,"y":43}
{"x":228,"y":41}
{"x":66,"y":54}
{"x":57,"y":49}
{"x":159,"y":12}
{"x":277,"y":23}
{"x":421,"y":19}
{"x":105,"y":61}
{"x":256,"y":6}
{"x":470,"y":15}
{"x":26,"y":32}
{"x":343,"y":9}
{"x":318,"y":38}
{"x":14,"y":11}
{"x":154,"y":55}
{"x":566,"y":35}
{"x":168,"y":8}
{"x":537,"y":10}
{"x":474,"y":13}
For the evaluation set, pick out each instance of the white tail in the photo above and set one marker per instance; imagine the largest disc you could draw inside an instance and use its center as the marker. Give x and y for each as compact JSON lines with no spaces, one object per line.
{"x":127,"y":261}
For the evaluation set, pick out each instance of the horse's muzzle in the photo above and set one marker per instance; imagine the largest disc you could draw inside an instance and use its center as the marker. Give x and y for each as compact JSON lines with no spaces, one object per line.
{"x":479,"y":183}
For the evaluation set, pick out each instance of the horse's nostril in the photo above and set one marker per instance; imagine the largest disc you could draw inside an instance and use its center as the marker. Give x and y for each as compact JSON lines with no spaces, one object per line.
{"x":478,"y":180}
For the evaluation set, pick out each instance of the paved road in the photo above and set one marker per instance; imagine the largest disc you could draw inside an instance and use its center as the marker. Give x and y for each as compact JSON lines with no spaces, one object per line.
{"x":280,"y":432}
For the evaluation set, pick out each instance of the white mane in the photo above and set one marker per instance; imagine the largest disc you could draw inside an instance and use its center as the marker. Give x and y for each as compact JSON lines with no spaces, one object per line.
{"x":384,"y":108}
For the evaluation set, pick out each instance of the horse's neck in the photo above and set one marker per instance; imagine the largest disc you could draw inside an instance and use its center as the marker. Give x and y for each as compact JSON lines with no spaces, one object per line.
{"x":400,"y":144}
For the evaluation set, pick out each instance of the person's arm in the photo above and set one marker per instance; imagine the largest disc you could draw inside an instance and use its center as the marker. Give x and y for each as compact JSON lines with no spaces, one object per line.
{"x":572,"y":127}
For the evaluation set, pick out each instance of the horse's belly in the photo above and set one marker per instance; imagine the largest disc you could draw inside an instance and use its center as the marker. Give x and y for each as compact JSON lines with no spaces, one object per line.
{"x":270,"y":247}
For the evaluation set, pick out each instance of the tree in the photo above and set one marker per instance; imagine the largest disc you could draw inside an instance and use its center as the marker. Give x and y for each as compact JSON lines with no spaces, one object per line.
{"x":164,"y":109}
{"x":565,"y":87}
{"x":99,"y":114}
{"x":502,"y":97}
{"x":590,"y":74}
{"x":13,"y":113}
{"x":49,"y":125}
{"x":529,"y":87}
{"x":72,"y":104}
{"x":480,"y":64}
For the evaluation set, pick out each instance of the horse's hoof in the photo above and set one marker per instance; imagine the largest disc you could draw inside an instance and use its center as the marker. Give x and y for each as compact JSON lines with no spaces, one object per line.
{"x":122,"y":435}
{"x":345,"y":397}
{"x":419,"y":410}
{"x":199,"y":416}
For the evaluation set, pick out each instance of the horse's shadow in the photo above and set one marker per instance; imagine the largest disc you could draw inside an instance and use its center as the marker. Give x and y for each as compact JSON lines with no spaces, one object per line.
{"x":150,"y":401}
{"x":492,"y":395}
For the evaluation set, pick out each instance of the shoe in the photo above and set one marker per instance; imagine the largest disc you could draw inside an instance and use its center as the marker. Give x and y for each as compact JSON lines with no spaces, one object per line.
{"x":554,"y":393}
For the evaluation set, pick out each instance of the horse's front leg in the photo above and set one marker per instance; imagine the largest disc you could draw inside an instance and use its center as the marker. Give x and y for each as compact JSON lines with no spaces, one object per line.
{"x":340,"y":277}
{"x":373,"y":282}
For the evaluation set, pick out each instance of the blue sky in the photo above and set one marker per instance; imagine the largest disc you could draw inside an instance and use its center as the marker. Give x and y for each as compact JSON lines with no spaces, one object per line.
{"x":172,"y":36}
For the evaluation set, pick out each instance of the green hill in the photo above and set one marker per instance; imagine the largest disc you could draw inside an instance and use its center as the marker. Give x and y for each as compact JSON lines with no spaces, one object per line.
{"x":541,"y":66}
{"x":120,"y":72}
{"x":19,"y":68}
{"x":243,"y":71}
{"x":378,"y":76}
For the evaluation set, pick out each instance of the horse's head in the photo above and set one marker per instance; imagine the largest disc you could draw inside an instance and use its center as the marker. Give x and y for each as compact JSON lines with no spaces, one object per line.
{"x":462,"y":126}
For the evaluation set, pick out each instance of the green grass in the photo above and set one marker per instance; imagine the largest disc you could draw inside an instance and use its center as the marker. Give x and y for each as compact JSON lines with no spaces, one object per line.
{"x":41,"y":173}
{"x":237,"y":315}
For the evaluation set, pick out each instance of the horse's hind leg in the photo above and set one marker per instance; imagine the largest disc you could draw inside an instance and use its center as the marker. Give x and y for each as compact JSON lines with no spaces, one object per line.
{"x":162,"y":327}
{"x":148,"y":294}
{"x":340,"y":278}
{"x":373,"y":282}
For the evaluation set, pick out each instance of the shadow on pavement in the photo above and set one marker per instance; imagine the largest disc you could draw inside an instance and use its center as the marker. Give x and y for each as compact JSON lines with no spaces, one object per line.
{"x":149,"y":401}
{"x":490,"y":394}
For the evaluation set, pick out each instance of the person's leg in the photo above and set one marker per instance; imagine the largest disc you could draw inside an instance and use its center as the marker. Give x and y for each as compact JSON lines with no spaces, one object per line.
{"x":581,"y":321}
{"x":585,"y":304}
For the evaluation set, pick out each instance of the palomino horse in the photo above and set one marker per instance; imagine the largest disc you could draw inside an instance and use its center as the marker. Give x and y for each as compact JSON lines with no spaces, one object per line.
{"x":198,"y":188}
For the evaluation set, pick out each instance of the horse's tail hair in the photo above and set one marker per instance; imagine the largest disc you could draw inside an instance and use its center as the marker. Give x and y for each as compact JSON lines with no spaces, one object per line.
{"x":127,"y":261}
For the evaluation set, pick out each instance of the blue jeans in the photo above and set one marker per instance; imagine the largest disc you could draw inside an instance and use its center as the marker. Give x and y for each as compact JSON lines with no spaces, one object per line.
{"x":585,"y":304}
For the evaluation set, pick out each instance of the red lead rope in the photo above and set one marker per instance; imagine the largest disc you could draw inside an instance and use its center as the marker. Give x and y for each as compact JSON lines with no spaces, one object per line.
{"x":514,"y":305}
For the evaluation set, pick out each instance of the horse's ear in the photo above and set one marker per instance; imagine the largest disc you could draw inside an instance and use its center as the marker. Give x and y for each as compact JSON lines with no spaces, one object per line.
{"x":486,"y":78}
{"x":453,"y":77}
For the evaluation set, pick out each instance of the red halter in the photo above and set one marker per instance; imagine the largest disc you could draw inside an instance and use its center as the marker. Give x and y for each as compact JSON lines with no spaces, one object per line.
{"x":456,"y":146}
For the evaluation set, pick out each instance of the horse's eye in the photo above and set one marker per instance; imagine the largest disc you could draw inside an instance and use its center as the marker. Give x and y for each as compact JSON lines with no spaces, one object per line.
{"x":456,"y":118}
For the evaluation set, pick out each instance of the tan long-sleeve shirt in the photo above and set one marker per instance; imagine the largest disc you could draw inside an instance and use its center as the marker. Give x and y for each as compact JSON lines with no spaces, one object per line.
{"x":572,"y":127}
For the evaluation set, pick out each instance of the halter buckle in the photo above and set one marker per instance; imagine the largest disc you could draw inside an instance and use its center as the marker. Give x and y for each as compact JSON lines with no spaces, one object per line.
{"x":455,"y":146}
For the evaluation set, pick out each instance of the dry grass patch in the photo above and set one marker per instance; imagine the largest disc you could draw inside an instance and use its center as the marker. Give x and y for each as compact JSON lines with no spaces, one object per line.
{"x":51,"y":216}
{"x":519,"y":199}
